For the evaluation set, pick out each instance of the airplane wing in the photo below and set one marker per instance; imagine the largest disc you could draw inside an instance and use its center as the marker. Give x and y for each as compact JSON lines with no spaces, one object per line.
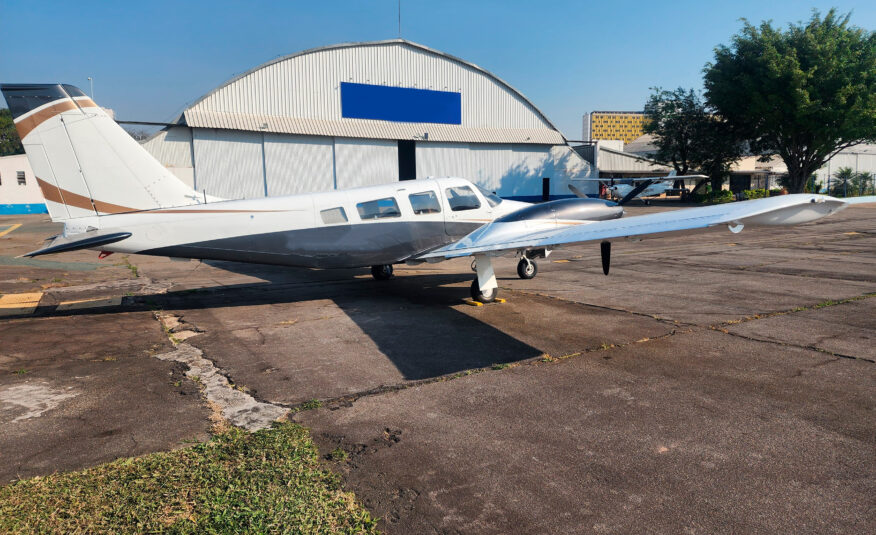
{"x":499,"y":237}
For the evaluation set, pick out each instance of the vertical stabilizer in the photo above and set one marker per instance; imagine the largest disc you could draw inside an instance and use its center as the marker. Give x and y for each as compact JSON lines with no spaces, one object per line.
{"x":83,"y":161}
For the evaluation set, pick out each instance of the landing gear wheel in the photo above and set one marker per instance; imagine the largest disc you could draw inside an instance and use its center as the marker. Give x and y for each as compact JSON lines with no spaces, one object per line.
{"x":527,"y":269}
{"x":477,"y":295}
{"x":382,"y":272}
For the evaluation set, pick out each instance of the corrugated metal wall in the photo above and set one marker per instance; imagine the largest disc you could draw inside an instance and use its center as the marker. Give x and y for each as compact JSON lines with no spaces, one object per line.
{"x":308,"y":85}
{"x":365,"y":162}
{"x":511,"y":170}
{"x":173,"y":148}
{"x":298,"y":164}
{"x":229,"y":163}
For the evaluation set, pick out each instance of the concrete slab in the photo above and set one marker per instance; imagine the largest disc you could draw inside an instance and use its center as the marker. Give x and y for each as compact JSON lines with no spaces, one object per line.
{"x":846,"y":329}
{"x":367,"y":335}
{"x":80,"y":390}
{"x":693,"y":433}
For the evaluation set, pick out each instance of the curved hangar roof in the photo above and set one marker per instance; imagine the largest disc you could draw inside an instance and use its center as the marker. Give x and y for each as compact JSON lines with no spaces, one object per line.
{"x":384,"y":89}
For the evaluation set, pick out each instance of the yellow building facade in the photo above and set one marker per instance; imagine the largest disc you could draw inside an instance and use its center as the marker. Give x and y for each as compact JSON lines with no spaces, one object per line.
{"x":625,"y":125}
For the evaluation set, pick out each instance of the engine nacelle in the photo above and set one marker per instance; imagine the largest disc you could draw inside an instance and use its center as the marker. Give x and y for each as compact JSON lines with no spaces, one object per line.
{"x":577,"y":209}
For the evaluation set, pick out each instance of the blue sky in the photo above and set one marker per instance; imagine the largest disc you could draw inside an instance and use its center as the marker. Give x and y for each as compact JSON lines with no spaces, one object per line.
{"x":149,"y":59}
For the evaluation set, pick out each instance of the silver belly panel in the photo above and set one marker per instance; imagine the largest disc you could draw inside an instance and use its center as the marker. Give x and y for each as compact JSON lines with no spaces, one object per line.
{"x":341,"y":246}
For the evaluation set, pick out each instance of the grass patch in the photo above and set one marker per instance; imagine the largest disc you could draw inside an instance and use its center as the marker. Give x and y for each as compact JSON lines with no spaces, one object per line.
{"x":268,"y":481}
{"x":311,"y":404}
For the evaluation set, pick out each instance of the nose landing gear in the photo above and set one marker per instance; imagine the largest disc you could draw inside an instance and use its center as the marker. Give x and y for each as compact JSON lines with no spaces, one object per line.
{"x":484,"y":288}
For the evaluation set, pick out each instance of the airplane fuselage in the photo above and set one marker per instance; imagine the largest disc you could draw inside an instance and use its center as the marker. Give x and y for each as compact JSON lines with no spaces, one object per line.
{"x":366,"y":226}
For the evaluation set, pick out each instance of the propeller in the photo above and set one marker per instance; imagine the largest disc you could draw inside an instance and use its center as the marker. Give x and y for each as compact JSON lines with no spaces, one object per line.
{"x":605,"y":249}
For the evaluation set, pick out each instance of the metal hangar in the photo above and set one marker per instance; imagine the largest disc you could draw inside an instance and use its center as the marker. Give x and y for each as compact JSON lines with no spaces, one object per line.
{"x":359,"y":114}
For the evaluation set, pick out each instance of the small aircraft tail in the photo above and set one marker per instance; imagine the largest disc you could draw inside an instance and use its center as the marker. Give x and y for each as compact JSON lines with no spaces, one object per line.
{"x":83,"y":161}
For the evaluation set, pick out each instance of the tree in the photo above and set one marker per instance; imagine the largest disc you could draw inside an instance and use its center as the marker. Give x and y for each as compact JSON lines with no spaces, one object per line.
{"x":690,"y":136}
{"x":842,"y":179}
{"x":861,"y":184}
{"x":137,"y":133}
{"x":804,"y":94}
{"x":9,"y":142}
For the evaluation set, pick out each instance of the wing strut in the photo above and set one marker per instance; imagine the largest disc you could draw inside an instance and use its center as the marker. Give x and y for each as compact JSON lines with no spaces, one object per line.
{"x":635,"y":191}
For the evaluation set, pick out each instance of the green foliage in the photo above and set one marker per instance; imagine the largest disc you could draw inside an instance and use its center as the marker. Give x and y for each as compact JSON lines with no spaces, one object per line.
{"x":754,"y":194}
{"x":714,"y":197}
{"x":264,"y":482}
{"x":804,"y":93}
{"x":311,"y":404}
{"x":690,"y":136}
{"x":9,"y":142}
{"x":847,"y":183}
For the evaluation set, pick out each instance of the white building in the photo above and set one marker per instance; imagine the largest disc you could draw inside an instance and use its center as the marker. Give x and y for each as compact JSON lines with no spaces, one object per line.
{"x":19,"y":192}
{"x":860,"y":158}
{"x":365,"y":113}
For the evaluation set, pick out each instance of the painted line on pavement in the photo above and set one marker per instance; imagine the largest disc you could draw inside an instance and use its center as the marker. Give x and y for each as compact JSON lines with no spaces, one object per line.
{"x":19,"y":304}
{"x":83,"y":304}
{"x":9,"y":229}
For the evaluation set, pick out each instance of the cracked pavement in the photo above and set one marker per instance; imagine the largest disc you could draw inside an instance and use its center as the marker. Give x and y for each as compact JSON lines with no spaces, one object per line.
{"x":711,"y":383}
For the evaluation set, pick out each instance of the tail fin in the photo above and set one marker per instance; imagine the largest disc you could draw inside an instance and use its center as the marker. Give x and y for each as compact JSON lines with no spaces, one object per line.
{"x":84,"y":162}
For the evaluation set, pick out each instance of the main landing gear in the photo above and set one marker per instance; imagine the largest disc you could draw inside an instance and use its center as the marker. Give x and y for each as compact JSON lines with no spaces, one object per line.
{"x":484,"y":288}
{"x":382,"y":272}
{"x":526,"y":268}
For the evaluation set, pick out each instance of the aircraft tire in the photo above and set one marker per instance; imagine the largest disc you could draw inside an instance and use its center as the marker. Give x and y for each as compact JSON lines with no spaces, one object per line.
{"x":527,"y":270}
{"x":382,"y":272}
{"x":477,"y":295}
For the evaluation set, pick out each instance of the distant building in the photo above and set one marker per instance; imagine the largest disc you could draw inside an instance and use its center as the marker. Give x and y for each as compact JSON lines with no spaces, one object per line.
{"x":19,"y":192}
{"x":611,"y":125}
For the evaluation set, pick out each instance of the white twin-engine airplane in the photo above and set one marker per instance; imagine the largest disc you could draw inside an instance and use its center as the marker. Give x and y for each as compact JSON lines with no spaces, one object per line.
{"x":113,"y":196}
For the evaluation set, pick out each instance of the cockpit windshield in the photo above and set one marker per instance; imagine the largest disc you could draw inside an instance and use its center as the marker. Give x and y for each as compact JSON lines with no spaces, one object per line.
{"x":492,"y":198}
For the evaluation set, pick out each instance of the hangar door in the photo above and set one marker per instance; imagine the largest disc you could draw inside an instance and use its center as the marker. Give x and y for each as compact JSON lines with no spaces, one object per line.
{"x":365,"y":162}
{"x":229,"y":163}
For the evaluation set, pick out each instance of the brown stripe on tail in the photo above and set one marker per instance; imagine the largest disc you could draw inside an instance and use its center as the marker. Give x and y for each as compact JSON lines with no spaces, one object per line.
{"x":26,"y":125}
{"x":55,"y":194}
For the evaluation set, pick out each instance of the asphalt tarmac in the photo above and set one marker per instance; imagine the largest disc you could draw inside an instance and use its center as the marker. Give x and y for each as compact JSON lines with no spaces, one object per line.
{"x":711,"y":383}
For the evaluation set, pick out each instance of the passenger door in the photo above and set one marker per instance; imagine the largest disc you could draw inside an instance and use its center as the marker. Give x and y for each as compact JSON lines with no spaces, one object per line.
{"x":464,"y":208}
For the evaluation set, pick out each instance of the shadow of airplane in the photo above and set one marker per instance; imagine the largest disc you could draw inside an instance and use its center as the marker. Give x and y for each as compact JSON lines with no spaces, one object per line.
{"x":410,"y":318}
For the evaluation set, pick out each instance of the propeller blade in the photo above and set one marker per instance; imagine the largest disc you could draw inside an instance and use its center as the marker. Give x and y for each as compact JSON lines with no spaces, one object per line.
{"x":605,"y":249}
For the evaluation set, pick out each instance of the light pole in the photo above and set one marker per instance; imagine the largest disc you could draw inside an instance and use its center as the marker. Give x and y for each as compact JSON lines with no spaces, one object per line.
{"x":91,"y":81}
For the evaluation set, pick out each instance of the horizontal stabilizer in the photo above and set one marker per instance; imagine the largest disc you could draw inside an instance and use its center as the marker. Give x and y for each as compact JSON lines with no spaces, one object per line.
{"x":83,"y":243}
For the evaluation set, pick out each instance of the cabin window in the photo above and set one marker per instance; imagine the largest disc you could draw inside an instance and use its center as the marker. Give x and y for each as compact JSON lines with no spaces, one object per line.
{"x":378,"y":209}
{"x":333,"y":216}
{"x":462,"y":198}
{"x":20,"y":176}
{"x":425,"y":203}
{"x":493,"y":199}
